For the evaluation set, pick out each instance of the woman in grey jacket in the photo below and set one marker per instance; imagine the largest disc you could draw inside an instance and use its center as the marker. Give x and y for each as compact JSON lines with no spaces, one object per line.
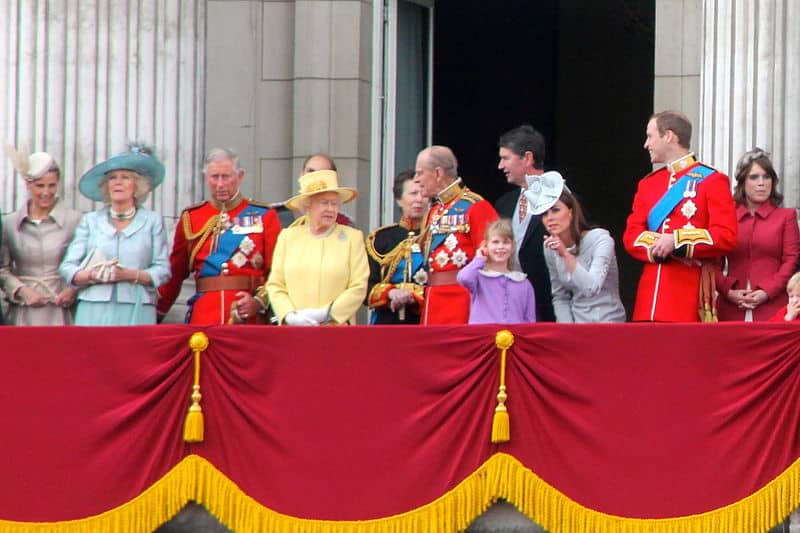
{"x":582,"y":264}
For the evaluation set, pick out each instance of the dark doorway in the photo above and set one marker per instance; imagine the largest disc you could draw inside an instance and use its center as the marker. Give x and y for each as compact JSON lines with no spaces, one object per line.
{"x":580,"y":72}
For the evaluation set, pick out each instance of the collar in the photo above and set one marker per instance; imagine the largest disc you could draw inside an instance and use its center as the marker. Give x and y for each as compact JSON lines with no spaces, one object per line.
{"x":514,"y":275}
{"x":450,"y":192}
{"x":412,"y":224}
{"x":56,"y":214}
{"x":231,"y":204}
{"x":762,"y":212}
{"x":681,"y":164}
{"x":136,"y":223}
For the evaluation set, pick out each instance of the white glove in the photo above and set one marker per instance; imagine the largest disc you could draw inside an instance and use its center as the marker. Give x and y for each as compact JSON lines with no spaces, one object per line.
{"x":399,"y":298}
{"x":105,"y":271}
{"x":320,"y":316}
{"x":298,"y":318}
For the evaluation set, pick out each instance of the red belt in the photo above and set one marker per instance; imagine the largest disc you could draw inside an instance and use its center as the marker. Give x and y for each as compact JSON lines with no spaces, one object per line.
{"x":229,"y":283}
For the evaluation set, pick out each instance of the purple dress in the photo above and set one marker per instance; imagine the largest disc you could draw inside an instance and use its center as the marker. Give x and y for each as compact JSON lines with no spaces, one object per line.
{"x":496,"y":297}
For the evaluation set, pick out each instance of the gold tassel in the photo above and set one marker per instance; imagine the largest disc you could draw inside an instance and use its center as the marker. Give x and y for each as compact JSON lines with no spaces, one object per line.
{"x":501,"y":424}
{"x":194,"y":427}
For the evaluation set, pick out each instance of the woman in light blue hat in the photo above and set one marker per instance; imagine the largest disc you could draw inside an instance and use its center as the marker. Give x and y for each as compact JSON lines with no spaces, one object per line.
{"x":119,"y":253}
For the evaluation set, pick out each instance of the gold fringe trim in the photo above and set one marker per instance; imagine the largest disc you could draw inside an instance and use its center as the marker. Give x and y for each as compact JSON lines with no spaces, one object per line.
{"x":146,"y":512}
{"x":501,"y":476}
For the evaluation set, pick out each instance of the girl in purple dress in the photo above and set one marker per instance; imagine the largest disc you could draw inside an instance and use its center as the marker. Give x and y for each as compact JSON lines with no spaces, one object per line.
{"x":498,"y":294}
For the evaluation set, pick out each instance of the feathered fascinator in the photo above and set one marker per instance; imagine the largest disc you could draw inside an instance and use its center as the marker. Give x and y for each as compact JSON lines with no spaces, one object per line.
{"x":33,"y":166}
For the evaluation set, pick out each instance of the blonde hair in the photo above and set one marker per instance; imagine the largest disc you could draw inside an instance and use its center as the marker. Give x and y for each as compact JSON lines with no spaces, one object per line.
{"x":794,"y":282}
{"x":502,"y":228}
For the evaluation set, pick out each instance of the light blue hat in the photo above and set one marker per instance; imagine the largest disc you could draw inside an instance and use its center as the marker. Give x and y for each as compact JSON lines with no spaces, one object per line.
{"x":138,"y":158}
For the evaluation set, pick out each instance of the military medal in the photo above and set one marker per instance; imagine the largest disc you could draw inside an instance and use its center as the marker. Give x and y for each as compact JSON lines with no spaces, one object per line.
{"x":459,"y":258}
{"x":247,"y":245}
{"x":257,"y":261}
{"x":689,"y":209}
{"x":246,"y":224}
{"x":691,"y":189}
{"x":239,"y":259}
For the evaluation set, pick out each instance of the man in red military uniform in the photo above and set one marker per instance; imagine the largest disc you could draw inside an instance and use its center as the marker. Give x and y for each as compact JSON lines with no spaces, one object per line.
{"x":683,"y":216}
{"x":453,"y":230}
{"x":227,"y":242}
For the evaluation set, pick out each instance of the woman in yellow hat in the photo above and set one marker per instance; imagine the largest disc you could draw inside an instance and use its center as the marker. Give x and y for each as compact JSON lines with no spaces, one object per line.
{"x":319,"y":269}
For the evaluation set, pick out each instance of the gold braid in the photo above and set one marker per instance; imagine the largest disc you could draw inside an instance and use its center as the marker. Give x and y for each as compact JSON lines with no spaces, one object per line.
{"x":206,"y":231}
{"x":391,"y":259}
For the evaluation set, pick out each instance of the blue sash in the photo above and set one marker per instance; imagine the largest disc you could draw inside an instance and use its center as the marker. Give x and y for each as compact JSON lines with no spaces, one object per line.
{"x":674,"y":195}
{"x":227,"y":244}
{"x":416,"y":264}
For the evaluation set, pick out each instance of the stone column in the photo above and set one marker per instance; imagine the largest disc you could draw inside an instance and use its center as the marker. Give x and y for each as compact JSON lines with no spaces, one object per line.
{"x":331,"y":90}
{"x":81,"y":79}
{"x":750,"y":85}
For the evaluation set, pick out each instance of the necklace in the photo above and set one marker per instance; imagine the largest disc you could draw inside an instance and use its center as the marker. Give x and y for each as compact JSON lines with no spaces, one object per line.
{"x":125,"y":215}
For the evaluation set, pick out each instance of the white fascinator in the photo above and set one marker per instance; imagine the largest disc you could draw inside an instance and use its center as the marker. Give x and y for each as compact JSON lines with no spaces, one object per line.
{"x":543,"y":191}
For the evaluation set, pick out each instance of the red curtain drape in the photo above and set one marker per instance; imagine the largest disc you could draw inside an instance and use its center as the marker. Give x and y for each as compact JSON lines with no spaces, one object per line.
{"x":357,"y":423}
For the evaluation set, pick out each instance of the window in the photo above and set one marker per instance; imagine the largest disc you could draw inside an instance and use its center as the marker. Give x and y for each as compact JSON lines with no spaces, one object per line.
{"x":402,"y":101}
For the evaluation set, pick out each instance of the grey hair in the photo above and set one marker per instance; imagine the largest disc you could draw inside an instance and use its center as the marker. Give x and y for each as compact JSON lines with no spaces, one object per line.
{"x":139,"y":195}
{"x":442,"y":157}
{"x":216,"y":154}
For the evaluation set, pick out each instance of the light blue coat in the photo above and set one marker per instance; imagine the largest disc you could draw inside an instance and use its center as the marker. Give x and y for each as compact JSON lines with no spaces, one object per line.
{"x":141,"y":245}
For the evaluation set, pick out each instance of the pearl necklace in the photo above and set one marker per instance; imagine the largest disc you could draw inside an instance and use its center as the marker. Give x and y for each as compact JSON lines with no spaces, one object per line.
{"x":125,"y":215}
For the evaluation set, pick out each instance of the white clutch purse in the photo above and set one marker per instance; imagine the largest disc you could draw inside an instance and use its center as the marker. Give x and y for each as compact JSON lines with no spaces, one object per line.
{"x":105,"y":268}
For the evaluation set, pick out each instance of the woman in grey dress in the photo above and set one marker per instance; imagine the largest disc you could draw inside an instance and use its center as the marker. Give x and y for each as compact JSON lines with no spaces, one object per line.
{"x":34,"y":240}
{"x":583,"y":265}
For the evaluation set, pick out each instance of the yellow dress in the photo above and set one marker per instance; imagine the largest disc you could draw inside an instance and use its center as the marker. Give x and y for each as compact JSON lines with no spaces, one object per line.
{"x":312,"y":271}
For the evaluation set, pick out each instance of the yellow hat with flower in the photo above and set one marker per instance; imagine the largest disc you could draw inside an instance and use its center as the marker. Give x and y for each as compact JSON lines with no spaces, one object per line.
{"x":319,"y":182}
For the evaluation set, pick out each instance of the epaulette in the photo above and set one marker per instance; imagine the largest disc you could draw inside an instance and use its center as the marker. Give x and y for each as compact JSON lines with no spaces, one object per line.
{"x":699,"y":164}
{"x":276,"y":205}
{"x":381,"y":228}
{"x":259,"y":204}
{"x":471,"y":197}
{"x":195,"y":206}
{"x":370,"y":242}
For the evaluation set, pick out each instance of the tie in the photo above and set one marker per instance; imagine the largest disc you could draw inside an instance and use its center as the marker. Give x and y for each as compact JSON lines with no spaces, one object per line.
{"x":523,"y":207}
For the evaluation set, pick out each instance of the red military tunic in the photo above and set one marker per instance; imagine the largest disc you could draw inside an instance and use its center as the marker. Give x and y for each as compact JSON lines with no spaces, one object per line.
{"x":455,"y":226}
{"x":245,"y":268}
{"x":704,"y":226}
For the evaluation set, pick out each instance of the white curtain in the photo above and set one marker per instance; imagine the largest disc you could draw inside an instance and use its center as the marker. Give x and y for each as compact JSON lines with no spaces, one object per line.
{"x":81,"y":78}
